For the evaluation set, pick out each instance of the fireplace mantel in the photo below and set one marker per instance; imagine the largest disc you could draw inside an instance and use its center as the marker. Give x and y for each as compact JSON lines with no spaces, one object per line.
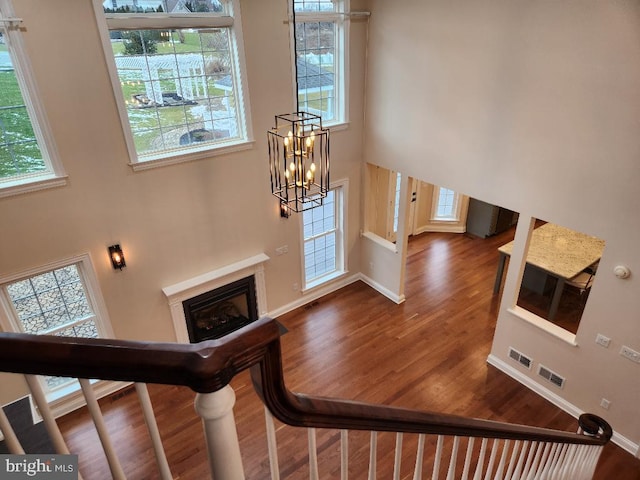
{"x":192,"y":287}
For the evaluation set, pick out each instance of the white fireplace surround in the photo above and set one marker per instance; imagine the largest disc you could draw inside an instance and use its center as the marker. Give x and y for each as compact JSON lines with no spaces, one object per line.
{"x":179,"y":292}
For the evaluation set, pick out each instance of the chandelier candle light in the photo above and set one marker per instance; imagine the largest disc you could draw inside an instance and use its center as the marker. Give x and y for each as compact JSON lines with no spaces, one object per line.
{"x":299,"y":161}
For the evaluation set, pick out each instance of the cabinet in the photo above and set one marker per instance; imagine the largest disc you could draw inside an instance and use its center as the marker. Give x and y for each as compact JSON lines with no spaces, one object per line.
{"x":484,"y":219}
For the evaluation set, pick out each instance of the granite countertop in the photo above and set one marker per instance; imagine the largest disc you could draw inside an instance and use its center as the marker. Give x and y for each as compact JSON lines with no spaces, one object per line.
{"x":560,"y":251}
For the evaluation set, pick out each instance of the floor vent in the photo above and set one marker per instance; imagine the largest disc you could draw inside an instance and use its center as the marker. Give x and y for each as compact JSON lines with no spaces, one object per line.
{"x":550,"y":376}
{"x":123,"y":393}
{"x":520,"y":358}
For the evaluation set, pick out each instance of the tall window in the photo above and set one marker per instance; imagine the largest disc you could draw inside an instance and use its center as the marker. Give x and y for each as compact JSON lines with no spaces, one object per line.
{"x":320,"y":50}
{"x":27,"y":153}
{"x":60,"y":300}
{"x":323,"y":239}
{"x":446,"y":205}
{"x":396,"y":202}
{"x":177,"y":71}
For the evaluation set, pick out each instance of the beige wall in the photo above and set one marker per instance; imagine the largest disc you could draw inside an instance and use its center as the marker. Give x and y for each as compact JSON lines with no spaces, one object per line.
{"x":534,"y":106}
{"x":174,"y":222}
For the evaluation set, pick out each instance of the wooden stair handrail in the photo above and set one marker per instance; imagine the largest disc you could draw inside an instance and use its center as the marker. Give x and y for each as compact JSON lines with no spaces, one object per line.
{"x":204,"y":367}
{"x":209,"y":366}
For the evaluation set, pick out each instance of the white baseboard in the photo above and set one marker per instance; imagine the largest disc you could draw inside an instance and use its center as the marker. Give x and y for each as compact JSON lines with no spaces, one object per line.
{"x":383,"y":290}
{"x":75,"y":400}
{"x":314,"y":294}
{"x":332,"y":287}
{"x":442,"y":228}
{"x":620,"y":440}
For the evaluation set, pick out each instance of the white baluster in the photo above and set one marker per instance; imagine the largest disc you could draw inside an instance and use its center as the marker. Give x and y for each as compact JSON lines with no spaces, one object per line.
{"x":10,"y":437}
{"x":437,"y":458}
{"x":539,"y":461}
{"x":503,"y":461}
{"x":417,"y":472}
{"x":533,"y":450}
{"x":576,"y":464}
{"x":492,"y":458}
{"x":373,"y":448}
{"x":545,"y":472}
{"x":454,"y":456}
{"x":580,"y":462}
{"x":154,"y":433}
{"x":483,"y":450}
{"x":556,"y":470}
{"x":47,"y":417}
{"x":592,"y":460}
{"x":567,"y":462}
{"x":467,"y":459}
{"x":216,"y":411}
{"x":49,"y":421}
{"x":398,"y":457}
{"x":344,"y":454}
{"x":272,"y":445}
{"x":520,"y":464}
{"x":512,"y":460}
{"x":313,"y":454}
{"x":101,"y":428}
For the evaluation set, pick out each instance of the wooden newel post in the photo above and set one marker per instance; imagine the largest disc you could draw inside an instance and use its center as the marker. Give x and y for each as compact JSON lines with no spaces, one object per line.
{"x":216,"y":411}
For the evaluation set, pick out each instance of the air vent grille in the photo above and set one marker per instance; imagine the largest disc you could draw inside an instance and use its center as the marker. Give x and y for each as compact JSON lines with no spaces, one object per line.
{"x":551,"y":376}
{"x":520,"y":358}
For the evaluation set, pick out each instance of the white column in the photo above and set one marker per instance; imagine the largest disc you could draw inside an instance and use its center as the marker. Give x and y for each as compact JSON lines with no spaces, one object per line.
{"x":216,"y":411}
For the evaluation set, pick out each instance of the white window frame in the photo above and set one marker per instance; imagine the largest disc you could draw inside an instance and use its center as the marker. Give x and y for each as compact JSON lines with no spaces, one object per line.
{"x":341,"y":193}
{"x":396,"y":202}
{"x":457,"y":204}
{"x":54,"y":175}
{"x":232,"y":20}
{"x":9,"y":321}
{"x":341,"y":19}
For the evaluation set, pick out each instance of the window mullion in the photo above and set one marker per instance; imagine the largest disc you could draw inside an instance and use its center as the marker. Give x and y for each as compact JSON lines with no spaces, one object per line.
{"x":320,"y":17}
{"x":166,"y":22}
{"x":73,"y":323}
{"x":319,"y":235}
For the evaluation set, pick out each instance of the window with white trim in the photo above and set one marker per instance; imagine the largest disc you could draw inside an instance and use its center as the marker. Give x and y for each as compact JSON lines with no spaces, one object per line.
{"x":177,"y":69}
{"x":28,"y":159}
{"x":62,"y":300}
{"x":323,"y":239}
{"x":320,"y":54}
{"x":446,"y":205}
{"x":396,"y":202}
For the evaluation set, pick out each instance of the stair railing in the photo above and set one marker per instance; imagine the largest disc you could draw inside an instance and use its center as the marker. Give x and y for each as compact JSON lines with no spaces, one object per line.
{"x":515,"y":452}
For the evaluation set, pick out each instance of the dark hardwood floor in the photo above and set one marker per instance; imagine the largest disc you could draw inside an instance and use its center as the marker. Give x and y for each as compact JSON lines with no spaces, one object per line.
{"x":427,"y":353}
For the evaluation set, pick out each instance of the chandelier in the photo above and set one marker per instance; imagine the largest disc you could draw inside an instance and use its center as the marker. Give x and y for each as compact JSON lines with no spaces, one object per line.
{"x":298,"y":154}
{"x":299,"y":161}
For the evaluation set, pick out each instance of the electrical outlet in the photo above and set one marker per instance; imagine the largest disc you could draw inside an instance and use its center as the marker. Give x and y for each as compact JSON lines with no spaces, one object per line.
{"x":282,"y":250}
{"x":602,"y":340}
{"x":295,"y":287}
{"x":604,"y":403}
{"x":630,"y":353}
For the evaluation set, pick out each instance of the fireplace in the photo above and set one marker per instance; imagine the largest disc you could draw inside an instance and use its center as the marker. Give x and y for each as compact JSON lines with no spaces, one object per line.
{"x":221,"y":311}
{"x":201,"y":295}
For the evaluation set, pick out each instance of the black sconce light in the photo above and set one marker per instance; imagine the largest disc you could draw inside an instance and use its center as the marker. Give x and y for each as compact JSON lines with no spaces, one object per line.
{"x":284,"y":210}
{"x":117,"y":257}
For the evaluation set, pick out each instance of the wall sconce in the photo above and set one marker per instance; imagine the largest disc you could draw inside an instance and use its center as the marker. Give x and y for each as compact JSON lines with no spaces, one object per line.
{"x":117,"y":257}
